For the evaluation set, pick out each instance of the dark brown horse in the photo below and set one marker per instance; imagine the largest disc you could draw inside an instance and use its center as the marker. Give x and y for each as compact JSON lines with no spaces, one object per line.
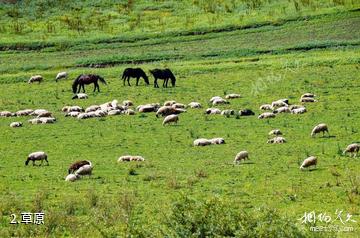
{"x":77,"y":165}
{"x":134,"y":73}
{"x":164,"y":74}
{"x":83,"y":79}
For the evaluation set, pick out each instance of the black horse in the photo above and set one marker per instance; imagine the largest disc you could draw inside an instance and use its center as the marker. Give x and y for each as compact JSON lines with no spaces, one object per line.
{"x":83,"y":79}
{"x":164,"y":74}
{"x":134,"y":73}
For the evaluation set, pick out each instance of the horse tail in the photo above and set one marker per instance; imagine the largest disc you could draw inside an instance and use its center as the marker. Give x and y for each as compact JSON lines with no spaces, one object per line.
{"x":102,"y":80}
{"x":124,"y":74}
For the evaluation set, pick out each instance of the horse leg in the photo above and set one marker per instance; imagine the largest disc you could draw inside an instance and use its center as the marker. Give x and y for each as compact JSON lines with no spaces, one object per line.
{"x":33,"y":162}
{"x":167,"y":80}
{"x":128,"y":79}
{"x":137,"y":81}
{"x":124,"y":80}
{"x":98,"y":87}
{"x":155,"y":82}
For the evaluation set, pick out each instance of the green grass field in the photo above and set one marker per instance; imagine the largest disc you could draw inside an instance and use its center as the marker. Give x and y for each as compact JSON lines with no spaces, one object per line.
{"x":274,"y":51}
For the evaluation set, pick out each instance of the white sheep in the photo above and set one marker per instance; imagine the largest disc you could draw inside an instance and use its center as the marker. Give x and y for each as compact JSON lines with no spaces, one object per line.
{"x":352,"y":149}
{"x":129,"y":112}
{"x":72,"y":177}
{"x":114,"y":112}
{"x":279,"y":103}
{"x":80,"y":96}
{"x":322,"y":127}
{"x":39,"y":155}
{"x":242,"y":155}
{"x":292,"y":107}
{"x":128,"y":158}
{"x":266,"y":115}
{"x":84,"y":170}
{"x":275,"y":132}
{"x":61,"y":75}
{"x":35,"y":121}
{"x":217,"y":141}
{"x":171,"y":119}
{"x":307,"y":99}
{"x":232,"y":96}
{"x":300,"y":110}
{"x":266,"y":107}
{"x":194,"y":105}
{"x":215,"y":98}
{"x":308,"y":95}
{"x":219,"y":101}
{"x":39,"y":111}
{"x":201,"y":142}
{"x":92,"y":108}
{"x":148,"y":108}
{"x":213,"y":111}
{"x":72,"y":114}
{"x":6,"y":114}
{"x":15,"y":124}
{"x":277,"y":140}
{"x":312,"y":160}
{"x":47,"y":120}
{"x":35,"y":78}
{"x":75,"y":109}
{"x":44,"y":114}
{"x":25,"y":112}
{"x":284,"y":109}
{"x":83,"y":115}
{"x":227,"y":112}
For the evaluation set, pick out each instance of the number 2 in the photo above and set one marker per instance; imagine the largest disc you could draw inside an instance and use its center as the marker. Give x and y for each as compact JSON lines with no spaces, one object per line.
{"x":13,"y":221}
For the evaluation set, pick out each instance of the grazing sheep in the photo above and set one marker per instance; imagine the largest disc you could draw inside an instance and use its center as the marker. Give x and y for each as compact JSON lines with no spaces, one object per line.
{"x":169,"y":103}
{"x":215,"y":98}
{"x":38,"y":112}
{"x":306,"y":99}
{"x":15,"y":124}
{"x":72,"y":114}
{"x":284,"y":109}
{"x":44,"y":114}
{"x":277,"y":140}
{"x":168,"y":110}
{"x":232,"y":96}
{"x":148,"y":108}
{"x":308,"y":95}
{"x":242,"y":155}
{"x":40,"y":155}
{"x":129,"y":112}
{"x":75,"y":109}
{"x":320,"y":128}
{"x":61,"y":75}
{"x":178,"y":105}
{"x":227,"y":112}
{"x":171,"y":119}
{"x":25,"y":112}
{"x":36,"y":78}
{"x":72,"y":177}
{"x":35,"y":121}
{"x":219,"y":101}
{"x":312,"y":160}
{"x":300,"y":110}
{"x":83,"y":115}
{"x":92,"y":108}
{"x":47,"y":120}
{"x":217,"y":141}
{"x":77,"y":165}
{"x":100,"y":113}
{"x":266,"y":107}
{"x":194,"y":105}
{"x":6,"y":114}
{"x":266,"y":115}
{"x":128,"y":103}
{"x":246,"y":112}
{"x":279,"y":103}
{"x":128,"y":158}
{"x":275,"y":132}
{"x":213,"y":111}
{"x":85,"y":169}
{"x":114,"y":112}
{"x":114,"y":104}
{"x":80,"y":96}
{"x":352,"y":149}
{"x":202,"y":142}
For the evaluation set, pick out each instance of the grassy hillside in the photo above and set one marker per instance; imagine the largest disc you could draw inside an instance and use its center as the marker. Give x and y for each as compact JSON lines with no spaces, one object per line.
{"x":264,"y":50}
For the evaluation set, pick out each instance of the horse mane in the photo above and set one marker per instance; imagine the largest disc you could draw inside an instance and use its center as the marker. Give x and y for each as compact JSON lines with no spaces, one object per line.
{"x":76,"y":82}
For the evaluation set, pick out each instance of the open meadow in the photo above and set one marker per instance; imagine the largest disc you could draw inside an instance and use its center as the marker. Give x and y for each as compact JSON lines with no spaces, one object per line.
{"x":182,"y":190}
